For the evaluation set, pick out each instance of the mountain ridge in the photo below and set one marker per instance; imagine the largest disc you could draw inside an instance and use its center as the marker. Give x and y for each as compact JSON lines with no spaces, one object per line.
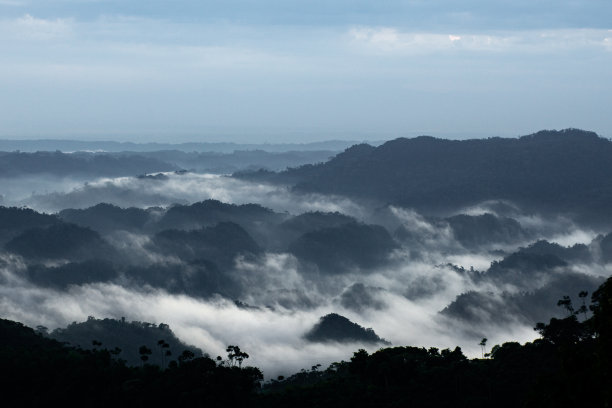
{"x":546,"y":170}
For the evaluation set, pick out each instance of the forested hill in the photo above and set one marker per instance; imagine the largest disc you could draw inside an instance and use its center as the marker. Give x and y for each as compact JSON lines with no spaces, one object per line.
{"x":565,"y":170}
{"x":569,"y":366}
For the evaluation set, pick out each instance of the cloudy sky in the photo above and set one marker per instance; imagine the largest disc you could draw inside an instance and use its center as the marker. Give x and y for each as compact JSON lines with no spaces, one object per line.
{"x":302,"y":70}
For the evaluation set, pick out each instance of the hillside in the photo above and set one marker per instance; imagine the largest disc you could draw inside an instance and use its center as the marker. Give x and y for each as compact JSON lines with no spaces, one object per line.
{"x":334,"y":327}
{"x":125,"y":339}
{"x":566,"y":171}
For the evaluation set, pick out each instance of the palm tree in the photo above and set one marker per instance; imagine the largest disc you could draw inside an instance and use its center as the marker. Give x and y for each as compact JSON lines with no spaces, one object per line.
{"x":483,"y":346}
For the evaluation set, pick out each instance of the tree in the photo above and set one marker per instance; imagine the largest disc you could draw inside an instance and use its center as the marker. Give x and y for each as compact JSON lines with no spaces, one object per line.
{"x":566,"y":302}
{"x":186,"y":355}
{"x":145,"y":352}
{"x":483,"y":346}
{"x":235,"y":355}
{"x":583,"y":308}
{"x":162,"y":345}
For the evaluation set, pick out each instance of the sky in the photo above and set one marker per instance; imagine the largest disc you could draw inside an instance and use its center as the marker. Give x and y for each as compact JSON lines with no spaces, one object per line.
{"x":302,"y":70}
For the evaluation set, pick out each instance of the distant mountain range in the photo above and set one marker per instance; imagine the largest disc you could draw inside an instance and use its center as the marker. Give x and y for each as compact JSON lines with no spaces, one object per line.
{"x":112,"y":146}
{"x":16,"y":164}
{"x":104,"y":164}
{"x":568,"y":171}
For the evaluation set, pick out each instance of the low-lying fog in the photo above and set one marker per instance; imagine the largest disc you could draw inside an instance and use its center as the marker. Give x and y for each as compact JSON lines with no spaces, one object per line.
{"x":164,"y":189}
{"x":415,"y":280}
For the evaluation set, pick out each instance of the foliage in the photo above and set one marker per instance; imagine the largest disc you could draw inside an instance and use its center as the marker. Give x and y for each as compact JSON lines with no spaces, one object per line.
{"x":334,"y":327}
{"x":128,"y":337}
{"x":562,"y":171}
{"x":568,"y":366}
{"x":36,"y":371}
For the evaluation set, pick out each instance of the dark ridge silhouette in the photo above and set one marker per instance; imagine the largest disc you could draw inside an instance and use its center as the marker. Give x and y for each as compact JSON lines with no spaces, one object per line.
{"x":14,"y":220}
{"x":575,"y":253}
{"x":312,"y":221}
{"x":222,"y":242}
{"x":564,"y":171}
{"x":526,"y":262}
{"x":540,"y":274}
{"x":38,"y":371}
{"x":334,"y":327}
{"x":200,"y":278}
{"x":475,"y":231}
{"x":528,"y":307}
{"x":340,"y":249}
{"x":61,"y":240}
{"x":211,"y":212}
{"x":539,"y":258}
{"x":291,"y":229}
{"x":106,"y":218}
{"x":128,"y":337}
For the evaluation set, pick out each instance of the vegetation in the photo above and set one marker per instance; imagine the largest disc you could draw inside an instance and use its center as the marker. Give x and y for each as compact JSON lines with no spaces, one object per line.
{"x":351,"y":245}
{"x":56,"y":241}
{"x":37,"y":371}
{"x":333,"y":327}
{"x":126,"y":339}
{"x":561,"y":171}
{"x":568,"y":366}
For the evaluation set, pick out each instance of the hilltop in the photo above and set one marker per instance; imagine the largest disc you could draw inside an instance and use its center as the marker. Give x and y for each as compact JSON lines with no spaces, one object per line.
{"x":562,"y":171}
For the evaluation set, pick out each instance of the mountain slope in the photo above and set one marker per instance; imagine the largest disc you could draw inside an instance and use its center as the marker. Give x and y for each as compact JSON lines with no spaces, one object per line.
{"x":565,"y":170}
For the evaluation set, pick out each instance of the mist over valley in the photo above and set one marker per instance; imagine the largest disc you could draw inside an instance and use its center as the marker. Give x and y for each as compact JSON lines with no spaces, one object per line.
{"x":422,"y":242}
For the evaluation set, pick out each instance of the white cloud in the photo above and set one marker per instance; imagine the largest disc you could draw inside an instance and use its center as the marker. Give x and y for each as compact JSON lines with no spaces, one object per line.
{"x":187,"y":188}
{"x":393,"y":40}
{"x":33,"y":28}
{"x":273,"y":338}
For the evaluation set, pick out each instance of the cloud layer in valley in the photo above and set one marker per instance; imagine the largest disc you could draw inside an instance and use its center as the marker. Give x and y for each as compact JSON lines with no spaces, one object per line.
{"x":172,"y":188}
{"x":431,"y":285}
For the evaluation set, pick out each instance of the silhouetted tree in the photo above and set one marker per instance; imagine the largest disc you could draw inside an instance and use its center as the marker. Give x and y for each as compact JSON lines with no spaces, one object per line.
{"x":162,"y":345}
{"x":566,"y":302}
{"x":483,"y":346}
{"x":186,"y":355}
{"x":583,"y":307}
{"x":145,"y":352}
{"x":235,"y":355}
